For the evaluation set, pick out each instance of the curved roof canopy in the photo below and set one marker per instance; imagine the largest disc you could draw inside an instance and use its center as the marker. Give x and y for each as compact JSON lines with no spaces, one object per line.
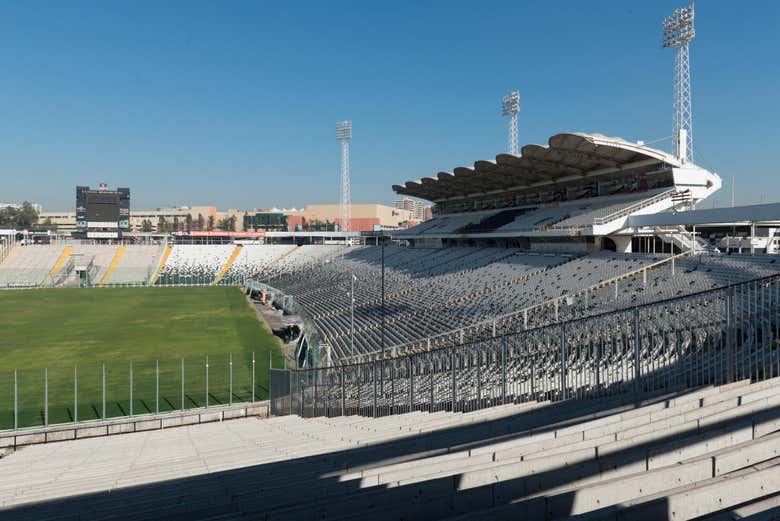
{"x":568,"y":156}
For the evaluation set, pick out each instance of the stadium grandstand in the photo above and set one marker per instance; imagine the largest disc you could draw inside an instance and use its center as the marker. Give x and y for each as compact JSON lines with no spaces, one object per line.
{"x":567,"y":337}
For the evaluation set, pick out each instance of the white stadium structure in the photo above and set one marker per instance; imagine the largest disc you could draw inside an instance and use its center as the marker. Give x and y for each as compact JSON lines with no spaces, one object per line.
{"x":568,"y":337}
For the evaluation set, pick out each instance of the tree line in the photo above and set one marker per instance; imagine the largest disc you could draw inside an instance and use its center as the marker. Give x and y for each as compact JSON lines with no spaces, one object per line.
{"x":190,"y":223}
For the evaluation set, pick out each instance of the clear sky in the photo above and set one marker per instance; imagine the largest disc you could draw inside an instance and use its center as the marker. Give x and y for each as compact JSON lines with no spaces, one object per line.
{"x":235,"y":103}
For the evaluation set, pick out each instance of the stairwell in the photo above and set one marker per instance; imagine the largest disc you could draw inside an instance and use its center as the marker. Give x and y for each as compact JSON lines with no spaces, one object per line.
{"x":112,"y":266}
{"x":57,"y":265}
{"x":228,"y":264}
{"x":163,"y":260}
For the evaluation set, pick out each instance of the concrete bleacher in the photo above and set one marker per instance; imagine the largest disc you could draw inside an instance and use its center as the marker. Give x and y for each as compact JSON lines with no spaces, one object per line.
{"x":197,"y":264}
{"x":136,"y":265}
{"x":253,"y":258}
{"x":430,"y":291}
{"x":29,"y":266}
{"x":709,"y":451}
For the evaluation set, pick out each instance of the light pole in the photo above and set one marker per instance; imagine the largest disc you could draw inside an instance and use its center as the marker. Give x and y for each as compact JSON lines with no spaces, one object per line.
{"x":678,"y":33}
{"x":510,"y":106}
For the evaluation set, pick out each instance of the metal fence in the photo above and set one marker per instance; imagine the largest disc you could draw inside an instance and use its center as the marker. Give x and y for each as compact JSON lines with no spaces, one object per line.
{"x":60,"y":395}
{"x":711,"y":337}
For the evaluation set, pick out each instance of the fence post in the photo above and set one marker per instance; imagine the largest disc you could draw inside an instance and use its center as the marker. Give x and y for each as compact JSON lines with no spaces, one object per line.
{"x":343,"y":399}
{"x":230,"y":385}
{"x":131,"y":388}
{"x":207,"y":381}
{"x":16,"y":402}
{"x":157,"y":386}
{"x":433,"y":370}
{"x":373,"y":377}
{"x":564,"y":369}
{"x":479,"y":377}
{"x":411,"y":384}
{"x":729,"y":335}
{"x":452,"y":370}
{"x":253,"y":377}
{"x":637,"y":352}
{"x":75,"y":394}
{"x":46,"y":397}
{"x":103,"y":386}
{"x":503,"y":371}
{"x":182,"y":383}
{"x":315,"y":373}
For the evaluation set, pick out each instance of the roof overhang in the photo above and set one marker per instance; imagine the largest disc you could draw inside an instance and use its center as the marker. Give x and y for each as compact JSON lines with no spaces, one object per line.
{"x":568,"y":157}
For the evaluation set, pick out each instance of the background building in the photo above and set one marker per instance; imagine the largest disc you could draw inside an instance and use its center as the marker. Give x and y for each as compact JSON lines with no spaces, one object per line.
{"x":421,"y":211}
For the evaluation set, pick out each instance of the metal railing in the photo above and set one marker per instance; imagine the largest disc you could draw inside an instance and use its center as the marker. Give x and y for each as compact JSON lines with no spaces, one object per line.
{"x":644,"y":203}
{"x":706,"y":338}
{"x":42,"y":397}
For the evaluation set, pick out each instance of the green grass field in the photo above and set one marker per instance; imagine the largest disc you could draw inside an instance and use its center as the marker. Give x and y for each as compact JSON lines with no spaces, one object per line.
{"x":74,"y":333}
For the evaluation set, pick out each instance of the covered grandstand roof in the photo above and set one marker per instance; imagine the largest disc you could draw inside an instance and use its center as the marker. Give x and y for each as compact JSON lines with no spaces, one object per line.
{"x":568,"y":156}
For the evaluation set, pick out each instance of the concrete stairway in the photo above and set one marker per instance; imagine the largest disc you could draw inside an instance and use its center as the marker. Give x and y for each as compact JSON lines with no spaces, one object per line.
{"x":712,"y":451}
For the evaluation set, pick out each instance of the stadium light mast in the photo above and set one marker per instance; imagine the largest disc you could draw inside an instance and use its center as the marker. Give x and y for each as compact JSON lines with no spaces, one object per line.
{"x":510,"y":106}
{"x":678,"y":32}
{"x":344,"y":134}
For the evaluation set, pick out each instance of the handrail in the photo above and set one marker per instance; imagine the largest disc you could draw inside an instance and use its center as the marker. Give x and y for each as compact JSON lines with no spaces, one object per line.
{"x":524,"y":311}
{"x":634,"y":207}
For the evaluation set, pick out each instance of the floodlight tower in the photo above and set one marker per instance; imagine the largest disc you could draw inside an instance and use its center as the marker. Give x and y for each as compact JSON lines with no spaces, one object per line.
{"x":678,"y":32}
{"x":510,"y":106}
{"x":344,"y":134}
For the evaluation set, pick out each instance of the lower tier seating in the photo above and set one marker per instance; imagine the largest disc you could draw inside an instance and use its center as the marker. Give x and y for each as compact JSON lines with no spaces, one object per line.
{"x":706,"y":453}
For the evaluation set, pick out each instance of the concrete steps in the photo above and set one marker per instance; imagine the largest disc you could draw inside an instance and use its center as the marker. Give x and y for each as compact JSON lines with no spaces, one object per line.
{"x":710,"y":451}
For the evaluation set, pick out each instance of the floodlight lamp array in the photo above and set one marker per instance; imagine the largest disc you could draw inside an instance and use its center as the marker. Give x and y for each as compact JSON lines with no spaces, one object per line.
{"x":344,"y":130}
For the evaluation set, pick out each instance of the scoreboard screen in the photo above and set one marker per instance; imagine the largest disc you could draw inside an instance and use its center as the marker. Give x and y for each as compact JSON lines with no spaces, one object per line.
{"x":102,"y":210}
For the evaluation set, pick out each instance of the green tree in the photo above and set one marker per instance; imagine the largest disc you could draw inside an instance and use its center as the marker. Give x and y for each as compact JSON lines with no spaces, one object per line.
{"x":175,"y":227}
{"x":201,"y":222}
{"x":162,"y":225}
{"x":188,"y":222}
{"x":211,"y":223}
{"x":146,"y":225}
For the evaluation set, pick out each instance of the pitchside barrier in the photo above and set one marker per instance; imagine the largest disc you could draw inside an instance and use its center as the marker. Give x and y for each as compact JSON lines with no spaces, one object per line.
{"x":84,"y":393}
{"x":707,"y":338}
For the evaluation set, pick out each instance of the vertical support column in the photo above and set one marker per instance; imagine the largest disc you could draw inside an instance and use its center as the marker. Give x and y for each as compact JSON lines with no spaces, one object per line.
{"x":637,"y":353}
{"x":207,"y":381}
{"x":230,"y":379}
{"x":253,"y":377}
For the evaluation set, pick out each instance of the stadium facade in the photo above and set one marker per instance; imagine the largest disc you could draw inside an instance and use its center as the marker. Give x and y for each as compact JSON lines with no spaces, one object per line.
{"x":576,"y":194}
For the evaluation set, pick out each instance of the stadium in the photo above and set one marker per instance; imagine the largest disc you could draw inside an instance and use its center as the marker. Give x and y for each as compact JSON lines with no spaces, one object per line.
{"x":568,"y":336}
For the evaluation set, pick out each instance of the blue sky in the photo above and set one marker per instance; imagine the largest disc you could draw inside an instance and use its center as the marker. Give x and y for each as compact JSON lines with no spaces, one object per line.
{"x":235,"y":103}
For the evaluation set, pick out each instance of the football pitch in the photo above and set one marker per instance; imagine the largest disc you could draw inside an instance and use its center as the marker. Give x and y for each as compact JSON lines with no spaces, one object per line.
{"x":149,"y":345}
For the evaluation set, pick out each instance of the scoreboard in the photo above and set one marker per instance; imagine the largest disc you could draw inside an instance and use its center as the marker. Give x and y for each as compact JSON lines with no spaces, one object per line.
{"x":102,"y":213}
